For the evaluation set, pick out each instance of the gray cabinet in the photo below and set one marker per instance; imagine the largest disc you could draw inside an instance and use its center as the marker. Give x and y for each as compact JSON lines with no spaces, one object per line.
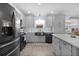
{"x":29,"y":22}
{"x":56,"y":47}
{"x":65,"y":48}
{"x":59,"y":24}
{"x":75,"y":51}
{"x":49,"y":22}
{"x":61,"y":48}
{"x":31,"y":37}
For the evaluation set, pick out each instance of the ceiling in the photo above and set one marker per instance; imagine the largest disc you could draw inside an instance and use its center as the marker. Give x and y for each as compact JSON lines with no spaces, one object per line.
{"x":70,"y":9}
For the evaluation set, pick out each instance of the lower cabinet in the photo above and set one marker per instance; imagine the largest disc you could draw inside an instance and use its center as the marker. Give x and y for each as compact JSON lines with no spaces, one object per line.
{"x":62,"y":48}
{"x":65,"y":48}
{"x":32,"y":38}
{"x":56,"y":47}
{"x":75,"y":51}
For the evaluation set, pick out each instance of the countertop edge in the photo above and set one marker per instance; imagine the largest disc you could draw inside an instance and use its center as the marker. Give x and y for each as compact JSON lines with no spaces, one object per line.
{"x":68,"y":39}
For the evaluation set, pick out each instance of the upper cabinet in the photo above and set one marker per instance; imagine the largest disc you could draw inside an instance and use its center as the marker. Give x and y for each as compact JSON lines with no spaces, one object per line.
{"x":29,"y":22}
{"x":56,"y":23}
{"x":49,"y":22}
{"x":59,"y":23}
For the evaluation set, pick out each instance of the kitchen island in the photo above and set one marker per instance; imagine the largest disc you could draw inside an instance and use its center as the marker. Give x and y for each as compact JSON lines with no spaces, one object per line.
{"x":65,"y":45}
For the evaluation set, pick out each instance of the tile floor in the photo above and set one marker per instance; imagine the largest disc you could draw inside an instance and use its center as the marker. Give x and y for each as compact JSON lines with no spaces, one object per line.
{"x":37,"y":49}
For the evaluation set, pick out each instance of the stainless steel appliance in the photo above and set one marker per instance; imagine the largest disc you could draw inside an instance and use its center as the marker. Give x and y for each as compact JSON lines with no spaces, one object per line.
{"x":7,"y":31}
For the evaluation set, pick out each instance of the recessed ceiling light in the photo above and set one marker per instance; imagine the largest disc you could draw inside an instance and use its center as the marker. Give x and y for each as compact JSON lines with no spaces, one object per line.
{"x":29,"y":12}
{"x":51,"y":11}
{"x":39,"y":3}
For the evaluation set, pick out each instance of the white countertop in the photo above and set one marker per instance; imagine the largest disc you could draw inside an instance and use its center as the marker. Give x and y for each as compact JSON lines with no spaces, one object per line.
{"x":68,"y":38}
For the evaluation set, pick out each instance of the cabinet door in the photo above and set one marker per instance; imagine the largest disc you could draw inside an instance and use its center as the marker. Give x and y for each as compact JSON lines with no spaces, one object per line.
{"x":58,"y":24}
{"x":65,"y":49}
{"x":56,"y":46}
{"x":30,"y":37}
{"x":48,"y":24}
{"x":49,"y":21}
{"x":29,"y":22}
{"x":39,"y":39}
{"x":74,"y":51}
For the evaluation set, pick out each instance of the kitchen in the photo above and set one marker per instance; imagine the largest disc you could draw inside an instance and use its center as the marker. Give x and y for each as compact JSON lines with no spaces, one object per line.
{"x":45,"y":29}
